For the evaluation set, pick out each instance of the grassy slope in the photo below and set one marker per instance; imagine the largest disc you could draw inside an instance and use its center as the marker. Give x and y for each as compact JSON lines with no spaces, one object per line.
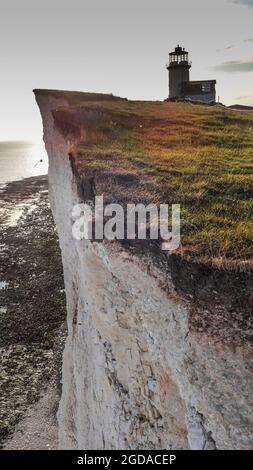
{"x":200,"y":157}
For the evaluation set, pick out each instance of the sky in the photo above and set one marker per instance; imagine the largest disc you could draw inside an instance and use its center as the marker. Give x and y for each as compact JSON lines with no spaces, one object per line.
{"x":119,"y":47}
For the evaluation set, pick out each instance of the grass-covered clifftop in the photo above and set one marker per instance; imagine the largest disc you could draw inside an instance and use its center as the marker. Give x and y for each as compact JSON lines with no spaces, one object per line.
{"x":198,"y":156}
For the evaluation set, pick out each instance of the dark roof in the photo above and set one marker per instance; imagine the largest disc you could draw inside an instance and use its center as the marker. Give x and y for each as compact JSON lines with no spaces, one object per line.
{"x":195,"y":82}
{"x":178,"y":51}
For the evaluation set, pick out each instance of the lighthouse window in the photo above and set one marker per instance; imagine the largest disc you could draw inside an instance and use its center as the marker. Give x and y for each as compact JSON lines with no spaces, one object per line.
{"x":206,"y":87}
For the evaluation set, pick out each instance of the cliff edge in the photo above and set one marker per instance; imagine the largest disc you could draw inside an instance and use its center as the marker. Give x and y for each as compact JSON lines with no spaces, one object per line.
{"x":159,"y":346}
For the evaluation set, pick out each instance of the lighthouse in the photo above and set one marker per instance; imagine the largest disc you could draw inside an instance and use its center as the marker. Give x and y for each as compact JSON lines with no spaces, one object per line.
{"x":180,"y":86}
{"x":179,"y":71}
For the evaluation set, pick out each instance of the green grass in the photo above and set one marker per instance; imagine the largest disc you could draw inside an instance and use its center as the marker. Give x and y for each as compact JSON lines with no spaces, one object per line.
{"x":198,"y":156}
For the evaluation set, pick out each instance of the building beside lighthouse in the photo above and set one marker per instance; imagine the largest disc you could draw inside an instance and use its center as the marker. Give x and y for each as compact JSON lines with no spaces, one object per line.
{"x":180,"y":86}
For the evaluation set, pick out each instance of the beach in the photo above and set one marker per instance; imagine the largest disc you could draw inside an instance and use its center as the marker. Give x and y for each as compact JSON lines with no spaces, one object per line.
{"x":32,"y":316}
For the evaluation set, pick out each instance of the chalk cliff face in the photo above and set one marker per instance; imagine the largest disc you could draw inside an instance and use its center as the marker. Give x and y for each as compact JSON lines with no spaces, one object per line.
{"x":155,"y":357}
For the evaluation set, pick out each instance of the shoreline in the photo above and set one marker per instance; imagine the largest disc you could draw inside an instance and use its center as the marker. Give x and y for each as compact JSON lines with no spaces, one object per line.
{"x":32,"y":317}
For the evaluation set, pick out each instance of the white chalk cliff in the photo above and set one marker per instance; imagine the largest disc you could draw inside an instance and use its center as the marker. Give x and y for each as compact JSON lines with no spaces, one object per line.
{"x":150,"y":361}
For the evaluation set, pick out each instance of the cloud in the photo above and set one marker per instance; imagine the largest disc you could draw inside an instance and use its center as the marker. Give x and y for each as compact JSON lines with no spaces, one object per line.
{"x":248,"y":3}
{"x":244,"y":97}
{"x":235,"y":66}
{"x":231,"y":46}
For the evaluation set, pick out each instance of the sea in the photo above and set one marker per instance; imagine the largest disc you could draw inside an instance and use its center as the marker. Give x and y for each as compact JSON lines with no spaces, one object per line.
{"x":21,"y":159}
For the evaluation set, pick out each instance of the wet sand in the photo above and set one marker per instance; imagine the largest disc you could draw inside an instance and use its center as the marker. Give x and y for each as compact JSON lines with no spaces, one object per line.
{"x":32,"y":317}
